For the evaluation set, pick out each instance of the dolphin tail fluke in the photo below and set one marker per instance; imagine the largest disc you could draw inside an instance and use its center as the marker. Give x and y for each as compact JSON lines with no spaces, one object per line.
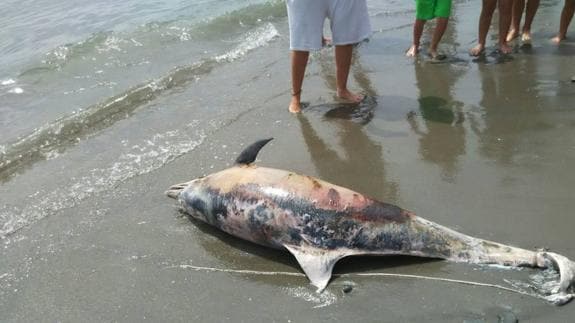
{"x":489,"y":252}
{"x":565,"y":292}
{"x":495,"y":253}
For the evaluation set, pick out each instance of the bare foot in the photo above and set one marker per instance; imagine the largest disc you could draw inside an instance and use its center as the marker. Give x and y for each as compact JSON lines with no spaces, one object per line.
{"x":526,"y":37}
{"x":512,"y":34}
{"x":477,"y":50}
{"x":557,"y":39}
{"x":295,"y":104}
{"x":505,"y":49}
{"x":349,"y":96}
{"x":412,"y":51}
{"x":435,"y":56}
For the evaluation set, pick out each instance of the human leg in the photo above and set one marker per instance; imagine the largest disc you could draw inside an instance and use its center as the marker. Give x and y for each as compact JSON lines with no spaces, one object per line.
{"x":516,"y":14}
{"x":442,"y":11}
{"x":349,"y":25}
{"x":305,"y":20}
{"x":299,"y":61}
{"x":423,"y":12}
{"x":487,"y":9}
{"x":504,"y":23}
{"x":343,"y":55}
{"x":566,"y":16}
{"x":417,"y":31}
{"x":440,"y":27}
{"x":530,"y":11}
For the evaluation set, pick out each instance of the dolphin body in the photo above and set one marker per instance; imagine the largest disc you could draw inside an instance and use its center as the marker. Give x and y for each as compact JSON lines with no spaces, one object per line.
{"x":321,"y":223}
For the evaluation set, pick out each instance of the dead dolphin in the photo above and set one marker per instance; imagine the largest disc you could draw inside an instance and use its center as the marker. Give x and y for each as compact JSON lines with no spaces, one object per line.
{"x":321,"y":223}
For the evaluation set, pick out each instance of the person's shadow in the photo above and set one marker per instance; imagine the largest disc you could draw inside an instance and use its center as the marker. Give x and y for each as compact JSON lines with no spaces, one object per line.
{"x":510,"y":107}
{"x":439,"y":121}
{"x":357,"y":163}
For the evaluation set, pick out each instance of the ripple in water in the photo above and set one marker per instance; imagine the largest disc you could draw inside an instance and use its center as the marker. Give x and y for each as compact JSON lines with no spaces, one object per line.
{"x":142,"y":158}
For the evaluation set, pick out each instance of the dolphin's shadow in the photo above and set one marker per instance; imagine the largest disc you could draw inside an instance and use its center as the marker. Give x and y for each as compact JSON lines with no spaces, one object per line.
{"x":279,"y":256}
{"x":348,"y":265}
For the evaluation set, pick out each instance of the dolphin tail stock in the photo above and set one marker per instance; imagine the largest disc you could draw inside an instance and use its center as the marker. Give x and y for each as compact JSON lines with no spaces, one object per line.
{"x":459,"y":247}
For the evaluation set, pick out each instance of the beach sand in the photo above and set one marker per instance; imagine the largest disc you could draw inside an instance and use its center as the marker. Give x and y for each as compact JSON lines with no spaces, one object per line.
{"x":486,"y":147}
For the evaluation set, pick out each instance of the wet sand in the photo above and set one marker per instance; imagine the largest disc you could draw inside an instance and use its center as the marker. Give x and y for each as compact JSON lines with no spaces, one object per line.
{"x":486,"y":147}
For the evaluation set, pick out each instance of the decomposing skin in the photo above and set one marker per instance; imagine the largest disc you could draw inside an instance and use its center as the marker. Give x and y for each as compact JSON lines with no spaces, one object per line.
{"x":321,"y":223}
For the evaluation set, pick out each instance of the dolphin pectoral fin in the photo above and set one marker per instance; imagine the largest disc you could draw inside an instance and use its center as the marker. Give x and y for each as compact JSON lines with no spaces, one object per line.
{"x":316,"y":263}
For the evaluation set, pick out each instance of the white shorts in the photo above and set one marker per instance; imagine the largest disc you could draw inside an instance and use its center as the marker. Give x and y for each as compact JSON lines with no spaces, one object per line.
{"x":349,"y":22}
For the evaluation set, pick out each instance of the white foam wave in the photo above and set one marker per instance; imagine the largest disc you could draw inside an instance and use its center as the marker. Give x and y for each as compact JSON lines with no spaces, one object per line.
{"x":8,"y":220}
{"x":181,"y":33}
{"x":141,"y":158}
{"x":257,"y":38}
{"x":323,"y":299}
{"x":16,"y":90}
{"x":7,"y":82}
{"x":57,"y":55}
{"x":111,"y":43}
{"x":502,"y":267}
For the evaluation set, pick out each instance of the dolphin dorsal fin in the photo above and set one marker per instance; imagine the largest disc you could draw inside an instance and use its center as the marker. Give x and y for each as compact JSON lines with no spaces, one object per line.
{"x":249,"y":154}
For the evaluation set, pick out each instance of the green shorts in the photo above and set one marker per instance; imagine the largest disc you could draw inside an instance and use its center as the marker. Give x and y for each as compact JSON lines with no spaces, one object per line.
{"x":429,"y":9}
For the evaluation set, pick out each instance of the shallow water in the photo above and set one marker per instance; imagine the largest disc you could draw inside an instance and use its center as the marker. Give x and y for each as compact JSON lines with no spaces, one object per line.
{"x":65,"y":58}
{"x":483,"y":146}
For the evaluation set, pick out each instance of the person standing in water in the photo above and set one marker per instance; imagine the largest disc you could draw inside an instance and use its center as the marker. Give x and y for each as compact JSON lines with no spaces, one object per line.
{"x":487,"y":10}
{"x":349,"y":23}
{"x":530,"y":7}
{"x":427,"y":10}
{"x":566,"y":17}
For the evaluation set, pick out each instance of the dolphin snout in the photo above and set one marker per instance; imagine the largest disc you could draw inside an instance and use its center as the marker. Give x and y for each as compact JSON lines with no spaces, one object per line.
{"x":175,"y":190}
